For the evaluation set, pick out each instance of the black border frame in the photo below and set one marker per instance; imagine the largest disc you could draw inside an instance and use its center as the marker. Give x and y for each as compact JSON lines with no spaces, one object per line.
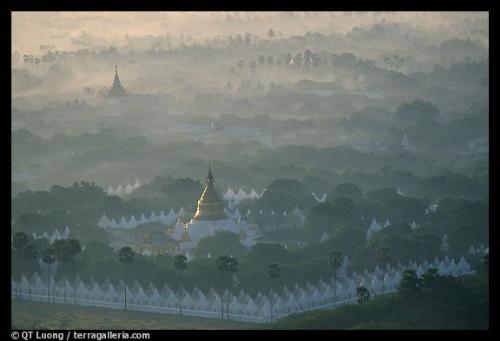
{"x":112,"y":5}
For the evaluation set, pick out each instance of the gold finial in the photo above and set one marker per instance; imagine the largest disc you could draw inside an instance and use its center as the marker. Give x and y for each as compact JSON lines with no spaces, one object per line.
{"x":210,"y":177}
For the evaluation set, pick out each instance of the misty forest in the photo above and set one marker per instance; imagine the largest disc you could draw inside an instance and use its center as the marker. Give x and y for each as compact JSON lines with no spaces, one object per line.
{"x":250,"y":170}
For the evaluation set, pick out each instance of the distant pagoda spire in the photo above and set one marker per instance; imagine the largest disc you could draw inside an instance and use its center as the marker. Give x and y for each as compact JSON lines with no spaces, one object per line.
{"x":117,"y":89}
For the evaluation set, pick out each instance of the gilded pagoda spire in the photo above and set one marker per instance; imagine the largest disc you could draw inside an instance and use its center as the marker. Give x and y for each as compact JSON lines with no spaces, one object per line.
{"x":210,"y":177}
{"x":210,"y":205}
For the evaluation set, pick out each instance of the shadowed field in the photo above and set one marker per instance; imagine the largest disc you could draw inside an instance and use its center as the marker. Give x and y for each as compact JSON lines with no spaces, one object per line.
{"x":35,"y":315}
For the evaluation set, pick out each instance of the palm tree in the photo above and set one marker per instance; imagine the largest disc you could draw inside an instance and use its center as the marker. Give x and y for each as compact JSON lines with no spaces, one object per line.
{"x":221,"y":266}
{"x":30,"y":254}
{"x":335,"y":264}
{"x":66,"y":250}
{"x":232,"y":268}
{"x":19,"y":242}
{"x":36,"y":60}
{"x":49,"y":257}
{"x":271,"y":34}
{"x":125,"y":256}
{"x":273,"y":271}
{"x":383,"y":258}
{"x":228,"y":265}
{"x":363,"y":294}
{"x":180,"y":263}
{"x":27,"y":59}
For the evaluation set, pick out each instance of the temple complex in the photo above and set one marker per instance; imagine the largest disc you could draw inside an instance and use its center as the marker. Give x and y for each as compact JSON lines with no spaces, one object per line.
{"x":210,"y":217}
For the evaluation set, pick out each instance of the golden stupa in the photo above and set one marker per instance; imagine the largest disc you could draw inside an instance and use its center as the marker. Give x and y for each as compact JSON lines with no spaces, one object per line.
{"x":210,"y":206}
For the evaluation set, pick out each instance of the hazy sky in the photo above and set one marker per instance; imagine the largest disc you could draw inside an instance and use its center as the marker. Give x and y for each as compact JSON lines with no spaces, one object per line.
{"x":63,"y":29}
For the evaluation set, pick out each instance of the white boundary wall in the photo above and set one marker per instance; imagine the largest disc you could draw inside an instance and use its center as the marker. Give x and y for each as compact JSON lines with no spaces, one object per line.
{"x":242,"y":307}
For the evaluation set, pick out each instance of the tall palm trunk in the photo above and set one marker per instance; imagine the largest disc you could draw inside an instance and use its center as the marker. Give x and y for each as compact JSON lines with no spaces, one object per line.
{"x":272,"y":297}
{"x":228,"y":286}
{"x":54,"y":292}
{"x":222,"y":298}
{"x":125,"y":287}
{"x":383,"y":278}
{"x":335,"y":289}
{"x":180,"y":293}
{"x":48,"y":285}
{"x":74,"y":292}
{"x":222,"y":305}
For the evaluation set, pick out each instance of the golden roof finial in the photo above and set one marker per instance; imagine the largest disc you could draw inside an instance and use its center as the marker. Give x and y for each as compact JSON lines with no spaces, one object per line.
{"x":210,"y":206}
{"x":210,"y":177}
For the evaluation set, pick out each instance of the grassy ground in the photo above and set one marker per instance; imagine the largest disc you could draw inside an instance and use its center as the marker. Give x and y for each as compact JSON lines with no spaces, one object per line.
{"x":36,"y":315}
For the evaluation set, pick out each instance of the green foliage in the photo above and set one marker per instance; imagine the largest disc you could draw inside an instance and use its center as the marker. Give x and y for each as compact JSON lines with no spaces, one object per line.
{"x":346,"y":190}
{"x":348,"y":239}
{"x":290,"y":187}
{"x":462,"y":237}
{"x":416,"y":111}
{"x":220,"y":244}
{"x":382,"y":195}
{"x":180,"y":262}
{"x":276,"y":201}
{"x":330,"y":216}
{"x":97,"y":250}
{"x":185,"y":191}
{"x":66,"y":249}
{"x":335,"y":260}
{"x":49,"y":255}
{"x":273,"y":271}
{"x":363,"y":294}
{"x":484,"y":265}
{"x":454,"y":303}
{"x":364,"y":258}
{"x":409,"y":284}
{"x":263,"y":253}
{"x":20,"y":240}
{"x":126,"y":255}
{"x":24,"y":256}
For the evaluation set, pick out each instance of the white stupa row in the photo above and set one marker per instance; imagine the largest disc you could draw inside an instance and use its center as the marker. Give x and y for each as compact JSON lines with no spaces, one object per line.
{"x":479,"y":250}
{"x":321,"y":199}
{"x":376,"y":227}
{"x":123,"y":190}
{"x":189,"y":233}
{"x":132,"y":222}
{"x":242,"y":306}
{"x":230,"y":195}
{"x":236,"y":197}
{"x":170,"y":218}
{"x":56,"y":235}
{"x":235,"y":212}
{"x":432,"y":208}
